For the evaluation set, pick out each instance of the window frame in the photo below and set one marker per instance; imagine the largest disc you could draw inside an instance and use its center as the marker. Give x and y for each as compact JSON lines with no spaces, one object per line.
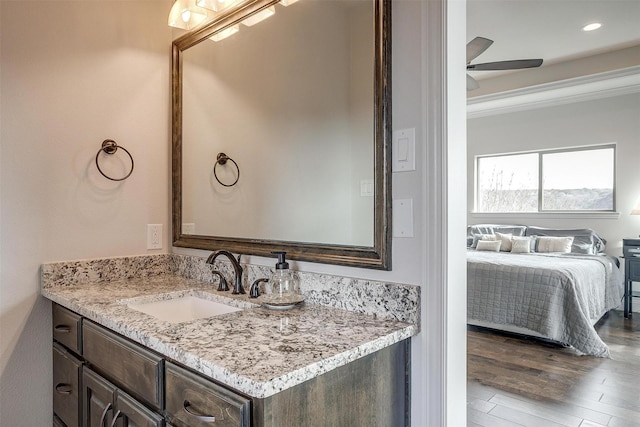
{"x":540,"y":188}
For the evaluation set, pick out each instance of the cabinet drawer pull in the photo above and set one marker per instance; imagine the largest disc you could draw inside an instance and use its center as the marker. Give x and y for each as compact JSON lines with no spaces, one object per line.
{"x":115,"y":418}
{"x":63,"y":329}
{"x":204,"y":418}
{"x":63,"y":388}
{"x":104,"y":414}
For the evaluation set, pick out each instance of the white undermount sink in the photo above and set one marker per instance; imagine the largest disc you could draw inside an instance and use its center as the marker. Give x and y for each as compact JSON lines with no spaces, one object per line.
{"x":183,"y":309}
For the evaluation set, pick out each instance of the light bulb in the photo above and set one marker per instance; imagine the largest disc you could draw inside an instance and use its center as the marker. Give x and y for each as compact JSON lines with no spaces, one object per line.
{"x":592,"y":27}
{"x":225,"y":33}
{"x":260,"y":16}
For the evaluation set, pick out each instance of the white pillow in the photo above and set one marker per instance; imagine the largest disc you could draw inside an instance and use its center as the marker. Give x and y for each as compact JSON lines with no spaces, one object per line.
{"x":506,"y":241}
{"x":478,"y":237}
{"x":489,"y":245}
{"x":520,"y":245}
{"x":555,"y":244}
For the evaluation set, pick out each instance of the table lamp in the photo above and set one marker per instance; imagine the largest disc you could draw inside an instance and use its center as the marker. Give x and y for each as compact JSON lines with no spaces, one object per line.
{"x":636,"y":209}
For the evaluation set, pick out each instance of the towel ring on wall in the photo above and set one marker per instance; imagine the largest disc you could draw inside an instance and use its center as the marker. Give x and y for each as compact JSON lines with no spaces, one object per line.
{"x":109,"y":146}
{"x":221,"y":159}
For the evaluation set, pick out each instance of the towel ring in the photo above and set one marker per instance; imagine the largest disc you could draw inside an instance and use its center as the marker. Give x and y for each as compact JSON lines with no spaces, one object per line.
{"x":109,"y":146}
{"x":221,"y":159}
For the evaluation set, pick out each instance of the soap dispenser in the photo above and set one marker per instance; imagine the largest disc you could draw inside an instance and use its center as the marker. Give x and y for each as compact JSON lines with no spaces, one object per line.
{"x":284,"y":286}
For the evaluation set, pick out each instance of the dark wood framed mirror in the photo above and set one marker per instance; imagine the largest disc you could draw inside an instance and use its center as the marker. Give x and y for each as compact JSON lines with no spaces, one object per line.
{"x":303,"y":107}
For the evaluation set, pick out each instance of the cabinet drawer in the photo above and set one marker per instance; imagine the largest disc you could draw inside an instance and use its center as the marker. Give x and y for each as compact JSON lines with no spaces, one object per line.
{"x":67,"y":328}
{"x":67,"y":371}
{"x":630,"y":247}
{"x":634,"y":269}
{"x":124,"y":362}
{"x":194,"y":401}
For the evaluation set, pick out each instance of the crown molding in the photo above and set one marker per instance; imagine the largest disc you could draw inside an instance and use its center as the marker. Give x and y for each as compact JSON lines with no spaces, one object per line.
{"x":595,"y":86}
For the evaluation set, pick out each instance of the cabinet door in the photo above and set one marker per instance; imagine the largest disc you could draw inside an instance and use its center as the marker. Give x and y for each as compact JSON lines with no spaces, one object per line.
{"x":98,"y":395}
{"x":134,"y":414}
{"x":66,"y":386}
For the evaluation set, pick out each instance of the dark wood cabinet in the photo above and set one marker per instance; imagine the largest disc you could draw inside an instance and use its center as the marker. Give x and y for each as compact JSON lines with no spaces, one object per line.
{"x":129,"y":365}
{"x":123,"y":384}
{"x":67,"y":372}
{"x":631,"y":254}
{"x":98,"y":396}
{"x":107,"y":405}
{"x":193,"y":401}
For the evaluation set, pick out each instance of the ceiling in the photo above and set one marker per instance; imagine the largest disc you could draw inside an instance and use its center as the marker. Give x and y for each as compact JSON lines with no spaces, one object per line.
{"x":551,"y":29}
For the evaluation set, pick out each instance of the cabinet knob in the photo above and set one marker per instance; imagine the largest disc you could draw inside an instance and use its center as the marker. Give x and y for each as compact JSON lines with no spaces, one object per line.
{"x":63,"y":329}
{"x":200,"y":417}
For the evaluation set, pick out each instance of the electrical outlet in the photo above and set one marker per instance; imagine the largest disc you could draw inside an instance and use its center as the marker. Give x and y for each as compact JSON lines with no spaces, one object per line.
{"x":154,"y":236}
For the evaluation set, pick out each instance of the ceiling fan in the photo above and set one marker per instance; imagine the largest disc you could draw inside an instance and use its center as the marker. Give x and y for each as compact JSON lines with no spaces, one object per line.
{"x":478,"y":45}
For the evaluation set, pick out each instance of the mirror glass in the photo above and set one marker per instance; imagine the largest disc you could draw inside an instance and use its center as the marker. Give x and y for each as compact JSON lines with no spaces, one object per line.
{"x":298,"y":102}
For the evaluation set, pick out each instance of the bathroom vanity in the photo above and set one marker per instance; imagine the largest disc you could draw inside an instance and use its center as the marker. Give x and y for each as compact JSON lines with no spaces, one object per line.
{"x":311,"y":366}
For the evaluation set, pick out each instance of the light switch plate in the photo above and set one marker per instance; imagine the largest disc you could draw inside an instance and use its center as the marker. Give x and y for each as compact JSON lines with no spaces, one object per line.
{"x":404,"y":150}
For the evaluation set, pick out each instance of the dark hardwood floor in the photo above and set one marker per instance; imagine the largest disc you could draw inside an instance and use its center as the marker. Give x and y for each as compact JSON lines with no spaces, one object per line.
{"x":513,"y":381}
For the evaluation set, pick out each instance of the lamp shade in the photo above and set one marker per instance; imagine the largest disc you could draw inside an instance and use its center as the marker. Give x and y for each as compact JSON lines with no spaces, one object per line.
{"x":186,"y":14}
{"x":636,"y":208}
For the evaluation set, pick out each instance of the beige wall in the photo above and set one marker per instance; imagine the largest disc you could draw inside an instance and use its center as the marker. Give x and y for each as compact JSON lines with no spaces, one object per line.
{"x":73,"y":74}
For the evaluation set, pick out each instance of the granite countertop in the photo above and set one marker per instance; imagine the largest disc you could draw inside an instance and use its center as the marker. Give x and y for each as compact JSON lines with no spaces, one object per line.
{"x":256,"y":351}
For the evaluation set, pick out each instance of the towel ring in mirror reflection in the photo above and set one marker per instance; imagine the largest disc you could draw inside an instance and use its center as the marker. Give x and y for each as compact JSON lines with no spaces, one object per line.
{"x":109,"y":146}
{"x":221,"y":159}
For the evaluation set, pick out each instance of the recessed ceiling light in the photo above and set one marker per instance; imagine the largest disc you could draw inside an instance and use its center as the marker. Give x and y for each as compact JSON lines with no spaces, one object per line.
{"x":592,"y":27}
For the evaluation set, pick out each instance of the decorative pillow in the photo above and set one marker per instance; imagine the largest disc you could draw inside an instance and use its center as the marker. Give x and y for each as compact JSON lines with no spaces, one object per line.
{"x":506,"y":241}
{"x":555,"y":244}
{"x":520,"y":245}
{"x":478,"y":237}
{"x":489,"y":245}
{"x":585,"y":240}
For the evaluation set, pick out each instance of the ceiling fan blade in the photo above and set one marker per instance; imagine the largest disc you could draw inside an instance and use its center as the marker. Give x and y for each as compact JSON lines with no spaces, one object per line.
{"x":476,"y":46}
{"x":472,"y":84}
{"x":505,"y":65}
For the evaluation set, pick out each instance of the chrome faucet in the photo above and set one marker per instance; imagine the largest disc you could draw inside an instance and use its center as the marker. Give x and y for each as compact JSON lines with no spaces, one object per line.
{"x":237,"y":268}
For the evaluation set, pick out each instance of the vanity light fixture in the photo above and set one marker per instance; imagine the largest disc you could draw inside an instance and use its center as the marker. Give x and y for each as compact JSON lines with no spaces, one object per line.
{"x":591,"y":27}
{"x":186,"y":14}
{"x":288,"y":2}
{"x":260,"y":16}
{"x":215,"y":5}
{"x":227,"y":32}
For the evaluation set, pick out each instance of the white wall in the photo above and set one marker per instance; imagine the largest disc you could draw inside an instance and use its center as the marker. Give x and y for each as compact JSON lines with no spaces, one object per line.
{"x":73,"y":74}
{"x":600,"y":121}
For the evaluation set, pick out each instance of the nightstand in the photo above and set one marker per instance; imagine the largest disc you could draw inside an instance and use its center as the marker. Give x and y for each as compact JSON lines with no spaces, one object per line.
{"x":631,"y":255}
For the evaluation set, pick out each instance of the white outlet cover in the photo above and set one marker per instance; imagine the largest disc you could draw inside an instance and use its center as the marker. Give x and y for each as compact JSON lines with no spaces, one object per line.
{"x":403,"y":218}
{"x":154,"y":236}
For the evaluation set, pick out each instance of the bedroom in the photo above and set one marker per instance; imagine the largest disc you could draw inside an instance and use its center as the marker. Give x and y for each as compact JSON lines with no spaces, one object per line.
{"x":591,"y":112}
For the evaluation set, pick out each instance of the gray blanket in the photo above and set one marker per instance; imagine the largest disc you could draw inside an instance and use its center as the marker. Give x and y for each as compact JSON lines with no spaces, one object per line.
{"x":559,"y":296}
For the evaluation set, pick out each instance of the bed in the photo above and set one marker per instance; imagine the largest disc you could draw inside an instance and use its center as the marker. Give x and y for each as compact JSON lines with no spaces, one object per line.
{"x":558,"y":296}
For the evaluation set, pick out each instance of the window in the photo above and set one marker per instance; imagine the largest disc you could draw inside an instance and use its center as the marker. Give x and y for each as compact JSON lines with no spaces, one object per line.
{"x":579,"y":179}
